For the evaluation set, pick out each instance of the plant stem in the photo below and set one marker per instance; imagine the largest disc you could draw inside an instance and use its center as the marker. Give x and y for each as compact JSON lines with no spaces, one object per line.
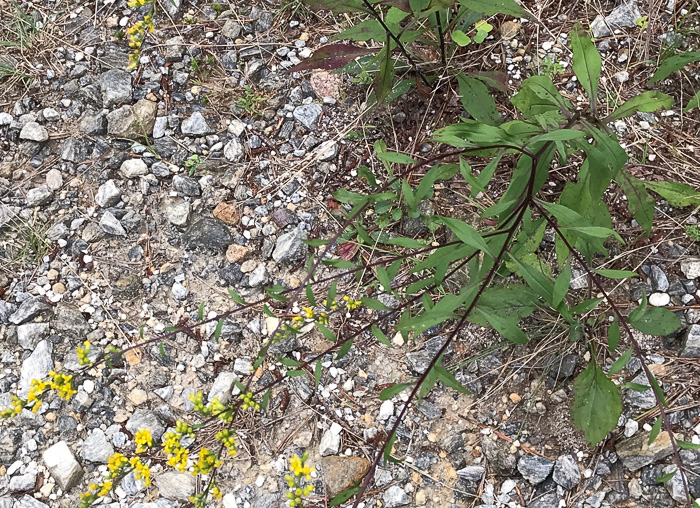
{"x":441,"y":37}
{"x":391,"y":34}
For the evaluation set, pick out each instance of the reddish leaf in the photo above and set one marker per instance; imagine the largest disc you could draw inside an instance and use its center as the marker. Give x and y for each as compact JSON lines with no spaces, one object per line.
{"x":333,"y":56}
{"x":347,"y":250}
{"x":494,"y":79}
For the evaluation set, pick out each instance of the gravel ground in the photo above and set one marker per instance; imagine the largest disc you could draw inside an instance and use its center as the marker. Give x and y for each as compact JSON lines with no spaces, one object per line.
{"x":104,"y":229}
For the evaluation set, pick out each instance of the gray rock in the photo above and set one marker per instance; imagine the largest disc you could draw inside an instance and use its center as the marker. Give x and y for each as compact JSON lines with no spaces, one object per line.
{"x":111,"y":225}
{"x":659,"y":281}
{"x":5,"y":118}
{"x":179,"y":291}
{"x":223,"y":387}
{"x":636,"y":452}
{"x":69,"y":321}
{"x":174,"y":485}
{"x":549,"y":500}
{"x":54,"y":179}
{"x":691,"y":343}
{"x":473,"y":473}
{"x":566,"y":472}
{"x":178,"y":213}
{"x":308,"y":115}
{"x":62,"y":465}
{"x":175,"y":48}
{"x":330,"y":444}
{"x":233,"y":151}
{"x":133,"y":122}
{"x":35,"y":366}
{"x":115,"y":86}
{"x":159,"y":127}
{"x":258,"y":277}
{"x":289,"y":247}
{"x":196,"y":125}
{"x":93,"y":122}
{"x":675,"y":486}
{"x":32,"y":131}
{"x":108,"y":194}
{"x":535,"y":469}
{"x":30,"y":309}
{"x":97,"y":448}
{"x":50,"y":114}
{"x":500,"y":460}
{"x":29,"y":334}
{"x":173,"y":7}
{"x":74,"y":150}
{"x":28,"y":502}
{"x":231,"y":29}
{"x":624,"y":15}
{"x":326,"y":151}
{"x":186,"y":185}
{"x":20,"y":483}
{"x":208,"y":234}
{"x":131,"y":168}
{"x":39,"y":195}
{"x":144,"y":419}
{"x":395,"y":496}
{"x":641,"y":400}
{"x":691,"y":268}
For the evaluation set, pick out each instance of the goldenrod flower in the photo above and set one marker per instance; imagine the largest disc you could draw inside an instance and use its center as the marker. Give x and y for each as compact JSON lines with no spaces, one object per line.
{"x":143,"y":439}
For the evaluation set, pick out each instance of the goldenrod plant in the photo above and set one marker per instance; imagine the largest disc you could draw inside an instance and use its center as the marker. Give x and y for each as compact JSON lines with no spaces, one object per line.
{"x":137,"y":32}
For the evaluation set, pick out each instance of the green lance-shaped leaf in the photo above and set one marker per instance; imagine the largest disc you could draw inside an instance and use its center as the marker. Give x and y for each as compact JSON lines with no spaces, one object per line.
{"x":693,"y":103}
{"x":639,"y":202}
{"x":597,"y":403}
{"x":587,"y":64}
{"x":493,"y":7}
{"x":676,"y":193}
{"x":673,"y":64}
{"x":385,"y":82}
{"x":654,"y":320}
{"x":343,"y":496}
{"x":477,"y":100}
{"x":652,"y":100}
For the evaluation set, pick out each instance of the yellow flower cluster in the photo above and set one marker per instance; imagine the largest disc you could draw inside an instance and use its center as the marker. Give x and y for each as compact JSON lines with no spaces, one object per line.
{"x":300,"y":470}
{"x":248,"y":402}
{"x":143,"y":439}
{"x":227,"y":438}
{"x":117,"y":466}
{"x":137,"y":32}
{"x":214,"y":408}
{"x":177,"y":455}
{"x":208,"y":460}
{"x":351,"y":303}
{"x":62,"y":384}
{"x":83,"y":353}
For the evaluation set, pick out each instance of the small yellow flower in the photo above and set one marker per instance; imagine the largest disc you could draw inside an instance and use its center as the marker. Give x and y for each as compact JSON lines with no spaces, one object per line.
{"x":143,"y":439}
{"x":83,"y":353}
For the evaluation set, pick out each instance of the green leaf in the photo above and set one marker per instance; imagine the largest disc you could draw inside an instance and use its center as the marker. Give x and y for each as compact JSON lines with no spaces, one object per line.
{"x":654,"y":320}
{"x":219,"y":327}
{"x":392,"y":390}
{"x":338,"y":263}
{"x":266,"y":399}
{"x":587,"y":64}
{"x":428,"y":383}
{"x":344,"y":350}
{"x":561,"y":285}
{"x":506,"y":327}
{"x":687,"y":445}
{"x":310,"y":294}
{"x":406,"y":242}
{"x":466,"y":234}
{"x":385,"y":81}
{"x":693,"y":103}
{"x":395,"y":157}
{"x":296,"y":373}
{"x":373,"y":303}
{"x":677,"y":194}
{"x":586,"y":306}
{"x":162,"y":350}
{"x":343,"y":496}
{"x":558,"y":135}
{"x":613,"y":335}
{"x":477,"y":100}
{"x":200,"y":311}
{"x":336,"y":6}
{"x":461,"y":38}
{"x":318,"y":370}
{"x":651,"y":100}
{"x":380,"y":336}
{"x":318,"y":242}
{"x":332,"y":291}
{"x":597,"y":403}
{"x":637,"y":387}
{"x":325,"y":331}
{"x":288,"y":362}
{"x":639,"y":202}
{"x":492,"y":7}
{"x":673,"y":64}
{"x":666,"y":477}
{"x":363,"y":31}
{"x":655,"y":430}
{"x":617,"y":274}
{"x":387,"y":450}
{"x":620,"y":362}
{"x":448,"y":379}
